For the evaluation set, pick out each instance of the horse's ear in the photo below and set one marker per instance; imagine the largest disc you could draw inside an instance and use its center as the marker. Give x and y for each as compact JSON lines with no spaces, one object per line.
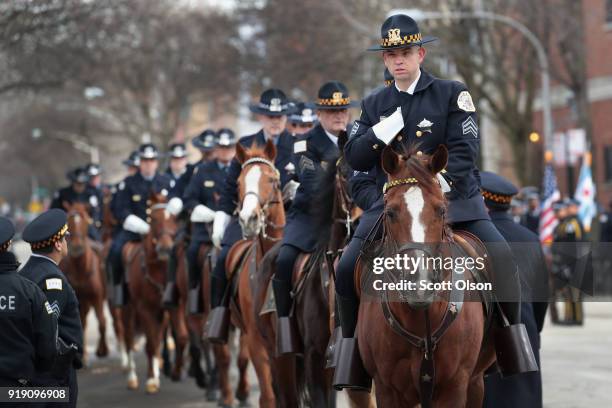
{"x":439,"y":159}
{"x":342,"y":139}
{"x":241,"y":155}
{"x":270,"y":150}
{"x":390,"y":161}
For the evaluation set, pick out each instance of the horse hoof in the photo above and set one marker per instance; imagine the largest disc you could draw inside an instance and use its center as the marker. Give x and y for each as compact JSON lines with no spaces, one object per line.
{"x":102,"y":352}
{"x":152,"y":387}
{"x":242,"y":396}
{"x":132,"y":384}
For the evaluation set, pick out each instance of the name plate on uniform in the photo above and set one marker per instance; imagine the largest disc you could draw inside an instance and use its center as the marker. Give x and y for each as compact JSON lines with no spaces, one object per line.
{"x":209,"y":183}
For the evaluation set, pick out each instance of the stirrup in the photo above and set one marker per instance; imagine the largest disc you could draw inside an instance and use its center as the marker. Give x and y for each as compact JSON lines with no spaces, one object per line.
{"x":194,"y":301}
{"x":287,"y":336}
{"x":350,"y":372}
{"x":119,"y":295}
{"x":170,"y":297}
{"x":332,"y":352}
{"x":216,"y":329}
{"x":513,"y":350}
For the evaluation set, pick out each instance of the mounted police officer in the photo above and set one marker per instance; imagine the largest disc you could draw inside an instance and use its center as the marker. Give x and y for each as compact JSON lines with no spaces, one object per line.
{"x":95,"y":183}
{"x":28,"y":339}
{"x":46,"y":235}
{"x":419,"y":108}
{"x":302,"y":119}
{"x":521,"y":390}
{"x":205,"y":142}
{"x":202,"y":199}
{"x":271,"y":111}
{"x":132,"y":164}
{"x":314,"y":151}
{"x":79,"y":191}
{"x":178,"y":169}
{"x":130,"y":211}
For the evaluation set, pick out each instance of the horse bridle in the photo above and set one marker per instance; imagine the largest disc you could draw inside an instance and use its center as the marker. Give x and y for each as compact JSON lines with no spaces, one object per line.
{"x":164,"y":231}
{"x":346,"y":203}
{"x":264,"y":206}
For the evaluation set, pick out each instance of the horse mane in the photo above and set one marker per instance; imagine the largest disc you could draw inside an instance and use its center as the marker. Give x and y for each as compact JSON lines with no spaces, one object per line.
{"x":255,"y":150}
{"x":417,"y":166}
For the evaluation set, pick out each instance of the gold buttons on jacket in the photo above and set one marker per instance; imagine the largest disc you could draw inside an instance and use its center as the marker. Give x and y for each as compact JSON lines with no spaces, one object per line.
{"x":419,"y":133}
{"x":375,"y":146}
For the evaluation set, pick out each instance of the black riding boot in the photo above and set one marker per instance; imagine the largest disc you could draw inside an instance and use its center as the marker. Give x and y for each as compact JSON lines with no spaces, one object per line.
{"x":333,"y":346}
{"x":195,"y":302}
{"x":170,"y":297}
{"x":512,"y":346}
{"x":217,"y":325}
{"x":119,"y":291}
{"x":287,"y":334}
{"x":350,"y":372}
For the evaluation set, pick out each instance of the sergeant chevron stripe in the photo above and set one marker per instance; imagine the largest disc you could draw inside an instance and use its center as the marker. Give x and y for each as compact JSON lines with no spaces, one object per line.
{"x":469,"y":127}
{"x":55,"y":307}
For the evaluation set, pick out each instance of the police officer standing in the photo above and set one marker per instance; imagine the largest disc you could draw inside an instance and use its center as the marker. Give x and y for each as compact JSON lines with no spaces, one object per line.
{"x":521,"y":390}
{"x":130,"y":211}
{"x":271,"y":111}
{"x":46,"y":235}
{"x":28,"y":339}
{"x":315,"y":150}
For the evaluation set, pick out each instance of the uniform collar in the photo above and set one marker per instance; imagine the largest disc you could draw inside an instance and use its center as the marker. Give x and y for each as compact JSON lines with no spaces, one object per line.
{"x":334,"y":139}
{"x":500,"y":215}
{"x":412,"y":86}
{"x":43,"y":257}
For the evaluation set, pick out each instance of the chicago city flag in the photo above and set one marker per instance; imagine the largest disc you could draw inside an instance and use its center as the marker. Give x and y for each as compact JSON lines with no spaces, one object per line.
{"x":585,"y":193}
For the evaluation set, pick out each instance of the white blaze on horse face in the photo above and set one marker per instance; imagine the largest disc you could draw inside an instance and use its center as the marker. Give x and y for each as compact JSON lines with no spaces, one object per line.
{"x":415,"y":203}
{"x":250,"y":202}
{"x":77,"y":219}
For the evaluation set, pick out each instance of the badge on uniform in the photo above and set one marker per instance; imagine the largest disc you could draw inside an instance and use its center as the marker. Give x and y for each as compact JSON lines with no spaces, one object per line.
{"x":136,"y":197}
{"x":172,"y":183}
{"x":324,"y":165}
{"x":299,"y":146}
{"x":469,"y":127}
{"x":164,"y":192}
{"x":209,"y":183}
{"x":121,"y":185}
{"x":425,"y":125}
{"x":290,"y":168}
{"x":464,"y":101}
{"x":53,"y":284}
{"x":93,"y":200}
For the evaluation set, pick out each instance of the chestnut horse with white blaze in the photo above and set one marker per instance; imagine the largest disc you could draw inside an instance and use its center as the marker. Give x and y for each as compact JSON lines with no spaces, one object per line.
{"x":146,"y":264}
{"x":428,"y":350}
{"x":83,"y":269}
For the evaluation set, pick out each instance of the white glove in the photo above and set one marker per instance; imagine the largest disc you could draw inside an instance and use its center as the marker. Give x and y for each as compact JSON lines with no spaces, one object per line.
{"x":202,"y":213}
{"x":443,"y":183}
{"x":388,"y":128}
{"x":219,"y":224}
{"x":174,"y":206}
{"x":289,"y":190}
{"x":136,"y":225}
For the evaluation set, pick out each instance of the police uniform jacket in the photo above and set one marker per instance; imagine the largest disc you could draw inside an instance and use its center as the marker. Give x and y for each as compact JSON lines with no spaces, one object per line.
{"x":314,"y":151}
{"x":363,"y":188}
{"x":133,"y":194}
{"x":438,"y":111}
{"x":284,"y":156}
{"x":60,"y":295}
{"x":28,"y":336}
{"x":90,"y":196}
{"x":522,"y":390}
{"x":204,"y":188}
{"x":179,"y":184}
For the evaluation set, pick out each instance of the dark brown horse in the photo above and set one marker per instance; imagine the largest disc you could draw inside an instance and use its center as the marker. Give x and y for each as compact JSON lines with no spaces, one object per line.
{"x":146,"y":265}
{"x":428,"y":350}
{"x":262,"y":218}
{"x":84,"y":271}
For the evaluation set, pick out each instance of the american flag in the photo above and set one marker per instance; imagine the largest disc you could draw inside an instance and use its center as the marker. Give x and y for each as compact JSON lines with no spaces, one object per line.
{"x":548,"y":221}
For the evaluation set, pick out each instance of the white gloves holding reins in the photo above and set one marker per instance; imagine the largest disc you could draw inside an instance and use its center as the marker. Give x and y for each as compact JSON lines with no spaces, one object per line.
{"x":174,"y":206}
{"x":219,"y":224}
{"x":202,"y":213}
{"x":388,"y":128}
{"x":136,"y":225}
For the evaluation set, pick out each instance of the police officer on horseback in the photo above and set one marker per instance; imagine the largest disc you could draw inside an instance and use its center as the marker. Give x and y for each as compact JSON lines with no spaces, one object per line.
{"x":205,"y":142}
{"x":302,"y":119}
{"x":131,"y":212}
{"x":420,"y":109}
{"x":178,"y":169}
{"x":79,"y":191}
{"x":271,"y":111}
{"x":314,"y":152}
{"x":47,"y":235}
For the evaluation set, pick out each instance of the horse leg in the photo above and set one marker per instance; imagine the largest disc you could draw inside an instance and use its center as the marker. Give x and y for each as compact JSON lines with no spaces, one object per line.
{"x":242,"y":392}
{"x":180,"y":331}
{"x":261,"y":362}
{"x":222,"y":358}
{"x":153,"y":335}
{"x":319,"y":387}
{"x":128,"y":330}
{"x":475,"y":392}
{"x":116,"y":314}
{"x":102,"y":350}
{"x":360,"y":399}
{"x":453,"y":393}
{"x":83,"y":310}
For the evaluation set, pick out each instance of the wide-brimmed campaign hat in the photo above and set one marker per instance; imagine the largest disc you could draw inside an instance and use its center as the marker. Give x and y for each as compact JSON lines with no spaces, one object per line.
{"x":148,"y":151}
{"x":133,"y":160}
{"x":399,"y":31}
{"x":226,"y":137}
{"x":303,"y":113}
{"x":334,"y":95}
{"x":205,"y":141}
{"x":78,"y":175}
{"x":273,"y":102}
{"x":177,"y":150}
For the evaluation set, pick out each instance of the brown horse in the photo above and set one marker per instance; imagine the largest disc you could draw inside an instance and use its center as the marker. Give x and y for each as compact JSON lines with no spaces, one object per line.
{"x":216,"y":373}
{"x":146,"y":265}
{"x":399,"y":340}
{"x":262,"y":218}
{"x":84,"y":271}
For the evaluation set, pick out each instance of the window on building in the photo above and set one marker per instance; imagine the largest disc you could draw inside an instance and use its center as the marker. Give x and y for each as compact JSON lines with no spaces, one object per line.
{"x":609,"y":11}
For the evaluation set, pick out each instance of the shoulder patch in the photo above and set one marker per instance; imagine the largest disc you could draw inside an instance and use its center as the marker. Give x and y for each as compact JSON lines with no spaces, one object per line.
{"x":53,"y":284}
{"x":354,"y":129}
{"x":299,"y":146}
{"x":464,"y":102}
{"x":48,"y":307}
{"x":121,"y":185}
